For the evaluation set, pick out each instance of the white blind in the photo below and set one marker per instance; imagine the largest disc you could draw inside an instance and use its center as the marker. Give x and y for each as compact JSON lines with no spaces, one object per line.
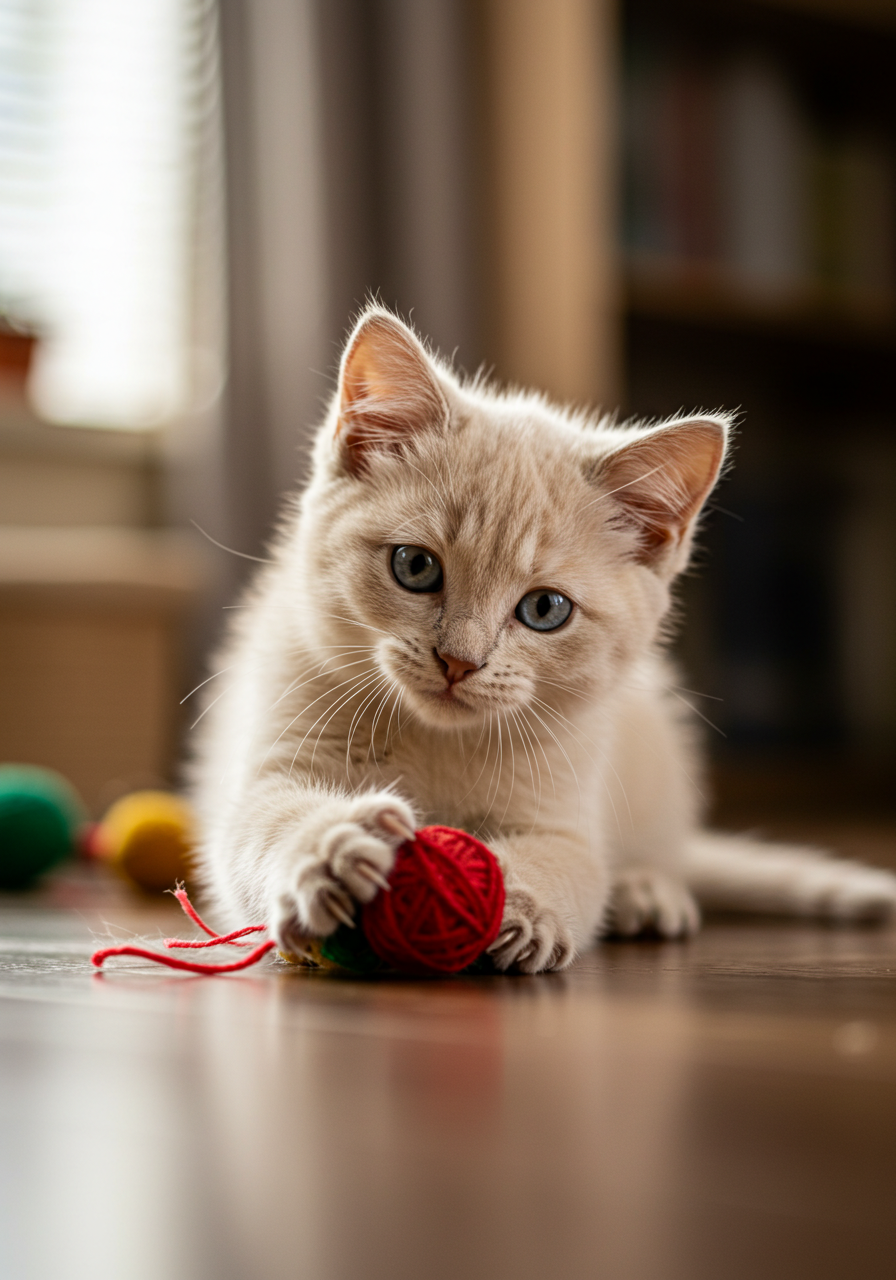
{"x":99,"y":101}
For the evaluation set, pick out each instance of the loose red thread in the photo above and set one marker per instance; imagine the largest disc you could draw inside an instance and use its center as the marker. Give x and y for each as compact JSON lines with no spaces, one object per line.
{"x":215,"y":940}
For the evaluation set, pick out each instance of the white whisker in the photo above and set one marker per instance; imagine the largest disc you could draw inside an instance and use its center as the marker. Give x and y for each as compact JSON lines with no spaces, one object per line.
{"x":364,"y":683}
{"x":356,"y":720}
{"x":203,"y":683}
{"x":535,"y":786}
{"x":294,"y":688}
{"x":572,"y":768}
{"x":206,"y":710}
{"x":242,"y":554}
{"x":547,"y":761}
{"x":307,"y":707}
{"x":512,"y":771}
{"x":704,"y":718}
{"x":353,"y":622}
{"x":385,"y":698}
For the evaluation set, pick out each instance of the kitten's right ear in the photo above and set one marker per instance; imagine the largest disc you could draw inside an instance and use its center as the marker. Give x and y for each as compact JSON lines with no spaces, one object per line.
{"x":387,"y":390}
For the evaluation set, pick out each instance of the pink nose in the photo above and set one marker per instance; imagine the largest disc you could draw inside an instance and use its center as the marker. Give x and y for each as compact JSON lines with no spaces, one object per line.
{"x":455,"y":669}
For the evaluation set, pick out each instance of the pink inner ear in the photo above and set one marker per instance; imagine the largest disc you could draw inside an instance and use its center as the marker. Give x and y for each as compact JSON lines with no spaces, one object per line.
{"x":387,"y":390}
{"x":662,"y":480}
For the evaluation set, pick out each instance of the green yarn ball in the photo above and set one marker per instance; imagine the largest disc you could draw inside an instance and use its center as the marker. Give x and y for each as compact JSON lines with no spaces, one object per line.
{"x":39,"y":818}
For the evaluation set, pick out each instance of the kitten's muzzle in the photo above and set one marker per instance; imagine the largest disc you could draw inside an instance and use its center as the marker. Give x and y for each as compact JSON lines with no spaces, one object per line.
{"x":455,"y":669}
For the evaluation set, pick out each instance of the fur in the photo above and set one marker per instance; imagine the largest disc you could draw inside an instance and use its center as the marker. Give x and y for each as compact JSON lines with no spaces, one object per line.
{"x":338,"y":732}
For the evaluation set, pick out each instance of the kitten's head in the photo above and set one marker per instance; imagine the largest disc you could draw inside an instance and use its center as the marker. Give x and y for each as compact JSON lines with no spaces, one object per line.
{"x":491,"y":548}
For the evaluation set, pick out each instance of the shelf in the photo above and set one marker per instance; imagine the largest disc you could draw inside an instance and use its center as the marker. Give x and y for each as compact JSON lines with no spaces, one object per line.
{"x":24,"y":434}
{"x":84,"y":568}
{"x":875,"y":13}
{"x":708,"y":297}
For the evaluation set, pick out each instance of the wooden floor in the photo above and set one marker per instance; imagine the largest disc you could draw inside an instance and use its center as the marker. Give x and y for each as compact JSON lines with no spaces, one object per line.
{"x":721,"y":1109}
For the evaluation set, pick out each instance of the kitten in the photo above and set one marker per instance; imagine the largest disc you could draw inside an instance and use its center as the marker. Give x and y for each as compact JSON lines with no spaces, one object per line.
{"x":462,"y":623}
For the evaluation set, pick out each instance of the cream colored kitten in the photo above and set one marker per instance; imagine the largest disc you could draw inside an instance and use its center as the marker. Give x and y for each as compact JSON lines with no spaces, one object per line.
{"x":462,"y":624}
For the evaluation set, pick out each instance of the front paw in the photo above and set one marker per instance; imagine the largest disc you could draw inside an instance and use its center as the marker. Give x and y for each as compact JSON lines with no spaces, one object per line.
{"x":646,"y":901}
{"x":532,"y":938}
{"x":343,"y":855}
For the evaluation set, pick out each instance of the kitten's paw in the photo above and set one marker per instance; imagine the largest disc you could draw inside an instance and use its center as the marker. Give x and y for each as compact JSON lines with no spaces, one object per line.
{"x":646,"y":901}
{"x":833,"y":889}
{"x":343,"y":856}
{"x":532,"y":938}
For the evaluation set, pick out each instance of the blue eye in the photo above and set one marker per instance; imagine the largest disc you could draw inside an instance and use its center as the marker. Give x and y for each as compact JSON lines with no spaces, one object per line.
{"x":416,"y":569}
{"x":544,"y":610}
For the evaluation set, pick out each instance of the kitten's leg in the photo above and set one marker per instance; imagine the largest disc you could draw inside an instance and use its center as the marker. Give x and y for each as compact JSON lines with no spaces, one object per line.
{"x":655,"y":805}
{"x":302,"y":856}
{"x":665,"y":864}
{"x":740,"y":874}
{"x":556,"y":891}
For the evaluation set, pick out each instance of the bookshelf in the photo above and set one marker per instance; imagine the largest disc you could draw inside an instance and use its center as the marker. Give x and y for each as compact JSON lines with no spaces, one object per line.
{"x":703,"y":297}
{"x":767,"y":282}
{"x":760,"y":272}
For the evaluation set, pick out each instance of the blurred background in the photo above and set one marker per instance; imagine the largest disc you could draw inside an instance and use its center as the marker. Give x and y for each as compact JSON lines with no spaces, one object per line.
{"x":656,"y":204}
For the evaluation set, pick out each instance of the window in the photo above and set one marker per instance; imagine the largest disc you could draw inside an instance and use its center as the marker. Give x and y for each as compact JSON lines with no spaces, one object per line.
{"x":100,"y":106}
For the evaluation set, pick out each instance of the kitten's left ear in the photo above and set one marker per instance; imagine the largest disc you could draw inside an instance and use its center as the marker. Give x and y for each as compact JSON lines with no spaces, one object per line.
{"x":387,"y":390}
{"x":659,"y":482}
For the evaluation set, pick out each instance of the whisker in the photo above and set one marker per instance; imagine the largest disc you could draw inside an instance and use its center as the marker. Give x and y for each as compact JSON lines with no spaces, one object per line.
{"x":391,"y":714}
{"x":650,"y":746}
{"x":512,"y":771}
{"x":242,"y":554}
{"x":491,"y":780}
{"x":294,"y":688}
{"x":340,"y":703}
{"x":677,"y":688}
{"x":356,"y":720}
{"x":572,"y":767}
{"x":535,"y":786}
{"x":307,"y":707}
{"x":706,"y":719}
{"x":203,"y":683}
{"x":567,"y":688}
{"x":206,"y":710}
{"x":543,"y":752}
{"x":353,"y":622}
{"x":574,"y":729}
{"x":475,"y":750}
{"x":385,"y":698}
{"x":498,"y":766}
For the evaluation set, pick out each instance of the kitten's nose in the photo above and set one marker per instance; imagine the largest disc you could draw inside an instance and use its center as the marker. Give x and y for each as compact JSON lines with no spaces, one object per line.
{"x":455,"y":669}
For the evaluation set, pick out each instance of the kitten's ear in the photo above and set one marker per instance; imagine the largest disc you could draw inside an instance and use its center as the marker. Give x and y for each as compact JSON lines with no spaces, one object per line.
{"x":387,"y":390}
{"x":659,"y":482}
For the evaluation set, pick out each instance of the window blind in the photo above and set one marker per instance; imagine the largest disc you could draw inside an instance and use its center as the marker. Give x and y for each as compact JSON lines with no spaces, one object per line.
{"x":101,"y":108}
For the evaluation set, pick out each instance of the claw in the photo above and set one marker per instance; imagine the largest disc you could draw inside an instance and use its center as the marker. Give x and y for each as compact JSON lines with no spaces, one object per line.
{"x":397,"y":826}
{"x":335,"y":908}
{"x":375,"y":877}
{"x":502,"y":939}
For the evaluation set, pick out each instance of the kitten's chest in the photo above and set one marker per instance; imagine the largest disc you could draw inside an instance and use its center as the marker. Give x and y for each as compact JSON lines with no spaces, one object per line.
{"x":429,"y":769}
{"x":477,"y":782}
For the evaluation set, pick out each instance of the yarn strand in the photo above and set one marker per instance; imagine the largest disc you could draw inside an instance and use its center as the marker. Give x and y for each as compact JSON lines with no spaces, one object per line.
{"x":188,"y":909}
{"x":190,"y":966}
{"x":215,"y":940}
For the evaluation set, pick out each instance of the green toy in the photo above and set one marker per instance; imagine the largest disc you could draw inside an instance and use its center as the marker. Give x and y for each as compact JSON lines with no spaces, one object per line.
{"x":40,"y":814}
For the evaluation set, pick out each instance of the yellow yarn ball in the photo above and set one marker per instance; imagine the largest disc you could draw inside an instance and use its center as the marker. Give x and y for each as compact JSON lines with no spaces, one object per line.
{"x":148,"y":836}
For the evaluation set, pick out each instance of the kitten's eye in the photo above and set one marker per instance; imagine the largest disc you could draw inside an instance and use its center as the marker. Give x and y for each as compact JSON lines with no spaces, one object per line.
{"x":544,"y":610}
{"x":416,"y":569}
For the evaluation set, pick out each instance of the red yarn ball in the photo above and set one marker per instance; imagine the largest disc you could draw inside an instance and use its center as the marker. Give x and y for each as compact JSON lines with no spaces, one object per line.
{"x":445,"y":907}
